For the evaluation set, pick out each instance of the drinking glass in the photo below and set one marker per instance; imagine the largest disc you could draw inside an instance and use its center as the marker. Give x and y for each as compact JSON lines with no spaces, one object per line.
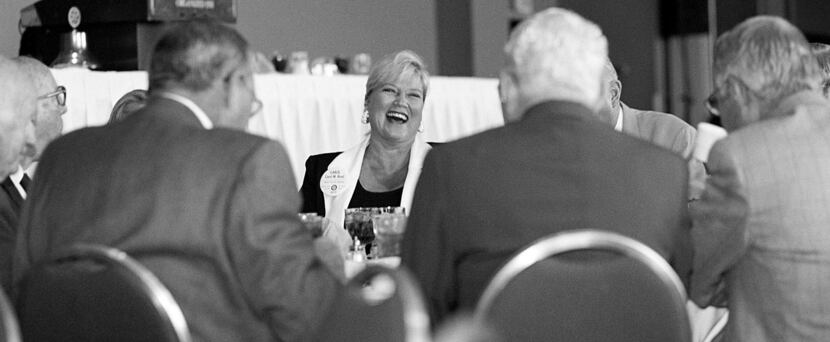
{"x":388,"y":228}
{"x":358,"y":222}
{"x":312,"y":222}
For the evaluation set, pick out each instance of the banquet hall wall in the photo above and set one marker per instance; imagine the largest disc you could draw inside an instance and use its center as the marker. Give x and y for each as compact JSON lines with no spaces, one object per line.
{"x":321,"y":27}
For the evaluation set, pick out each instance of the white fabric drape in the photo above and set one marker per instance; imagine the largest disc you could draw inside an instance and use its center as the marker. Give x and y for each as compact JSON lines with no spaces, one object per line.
{"x":307,"y":114}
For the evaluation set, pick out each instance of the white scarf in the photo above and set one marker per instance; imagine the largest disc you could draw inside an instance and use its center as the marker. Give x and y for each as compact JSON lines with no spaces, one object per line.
{"x":350,"y":161}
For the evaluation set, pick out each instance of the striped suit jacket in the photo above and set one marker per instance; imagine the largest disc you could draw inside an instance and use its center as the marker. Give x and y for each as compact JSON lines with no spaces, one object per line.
{"x":761,"y":230}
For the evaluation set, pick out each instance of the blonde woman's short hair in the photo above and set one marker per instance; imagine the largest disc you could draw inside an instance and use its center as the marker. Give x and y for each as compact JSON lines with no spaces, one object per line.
{"x":395,"y":65}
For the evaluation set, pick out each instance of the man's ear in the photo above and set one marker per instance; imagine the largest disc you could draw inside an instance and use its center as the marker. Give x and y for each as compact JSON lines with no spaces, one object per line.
{"x":508,"y":94}
{"x":615,"y":91}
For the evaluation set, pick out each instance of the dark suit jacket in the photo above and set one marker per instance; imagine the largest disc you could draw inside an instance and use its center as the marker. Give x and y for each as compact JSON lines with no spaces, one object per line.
{"x":10,"y":203}
{"x":212,"y":213}
{"x":481,"y":199}
{"x":315,"y":167}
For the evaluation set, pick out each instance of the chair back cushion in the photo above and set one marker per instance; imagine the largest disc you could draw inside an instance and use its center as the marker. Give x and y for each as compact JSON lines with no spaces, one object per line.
{"x":83,"y":298}
{"x":379,"y":304}
{"x":586,"y":285}
{"x":586,"y":296}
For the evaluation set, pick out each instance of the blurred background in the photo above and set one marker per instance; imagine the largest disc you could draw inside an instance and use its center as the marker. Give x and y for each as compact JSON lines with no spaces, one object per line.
{"x":661,"y":48}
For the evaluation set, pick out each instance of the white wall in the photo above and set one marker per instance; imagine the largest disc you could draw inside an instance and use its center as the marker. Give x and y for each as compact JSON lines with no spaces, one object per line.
{"x":9,"y":17}
{"x":329,"y":27}
{"x":490,"y":28}
{"x":321,"y":27}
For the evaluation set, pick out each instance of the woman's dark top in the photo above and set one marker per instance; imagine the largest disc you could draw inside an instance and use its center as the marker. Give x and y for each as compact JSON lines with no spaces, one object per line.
{"x":366,"y":198}
{"x":313,"y":199}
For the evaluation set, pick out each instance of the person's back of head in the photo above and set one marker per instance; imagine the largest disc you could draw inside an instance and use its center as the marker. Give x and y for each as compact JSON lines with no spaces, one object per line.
{"x":208,"y":63}
{"x":553,"y":55}
{"x":128,"y":104}
{"x":17,"y":110}
{"x":760,"y":62}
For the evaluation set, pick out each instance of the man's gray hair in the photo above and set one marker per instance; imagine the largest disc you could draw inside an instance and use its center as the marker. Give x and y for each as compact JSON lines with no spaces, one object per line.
{"x":194,"y":54}
{"x":769,"y":55}
{"x":556,"y":54}
{"x":37,"y":71}
{"x":18,"y":90}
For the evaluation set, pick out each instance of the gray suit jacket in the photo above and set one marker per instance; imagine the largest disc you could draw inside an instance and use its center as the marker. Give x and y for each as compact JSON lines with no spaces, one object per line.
{"x":762,"y":227}
{"x":669,"y":132}
{"x":212,"y":213}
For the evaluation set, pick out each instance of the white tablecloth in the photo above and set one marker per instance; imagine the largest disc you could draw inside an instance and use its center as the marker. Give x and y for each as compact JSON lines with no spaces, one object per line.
{"x":307,"y":114}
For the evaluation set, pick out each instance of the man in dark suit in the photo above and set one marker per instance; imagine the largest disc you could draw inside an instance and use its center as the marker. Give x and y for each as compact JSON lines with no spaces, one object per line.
{"x":17,"y":140}
{"x":553,"y":167}
{"x":211,"y":211}
{"x":51,"y":104}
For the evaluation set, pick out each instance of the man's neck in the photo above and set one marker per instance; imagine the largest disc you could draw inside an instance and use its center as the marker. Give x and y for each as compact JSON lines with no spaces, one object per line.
{"x":192,"y":103}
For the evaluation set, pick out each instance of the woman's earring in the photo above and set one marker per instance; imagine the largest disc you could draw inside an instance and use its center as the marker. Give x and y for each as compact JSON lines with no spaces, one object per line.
{"x":365,"y":118}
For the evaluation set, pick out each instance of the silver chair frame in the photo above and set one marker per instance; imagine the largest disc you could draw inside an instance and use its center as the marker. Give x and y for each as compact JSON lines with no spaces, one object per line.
{"x":11,"y":331}
{"x":582,"y":240}
{"x":415,"y":316}
{"x":162,"y":299}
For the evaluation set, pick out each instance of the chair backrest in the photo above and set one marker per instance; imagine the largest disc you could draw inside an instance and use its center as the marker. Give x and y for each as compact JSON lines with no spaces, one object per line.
{"x":379,"y":304}
{"x":96,"y":293}
{"x":586,"y":285}
{"x":9,"y":330}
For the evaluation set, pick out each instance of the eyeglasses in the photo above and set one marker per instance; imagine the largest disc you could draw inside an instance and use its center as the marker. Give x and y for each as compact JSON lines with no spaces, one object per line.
{"x":712,"y":104}
{"x":256,"y":106}
{"x":59,"y":94}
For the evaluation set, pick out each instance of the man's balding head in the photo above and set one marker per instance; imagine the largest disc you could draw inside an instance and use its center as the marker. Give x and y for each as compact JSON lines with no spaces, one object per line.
{"x":17,"y":110}
{"x":208,"y":63}
{"x":48,"y":121}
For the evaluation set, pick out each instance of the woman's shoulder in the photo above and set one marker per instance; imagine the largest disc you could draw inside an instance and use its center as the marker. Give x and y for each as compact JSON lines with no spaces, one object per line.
{"x":323,"y":159}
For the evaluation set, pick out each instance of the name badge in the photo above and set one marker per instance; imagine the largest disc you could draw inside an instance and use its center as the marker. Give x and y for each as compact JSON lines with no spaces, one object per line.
{"x":333,"y":182}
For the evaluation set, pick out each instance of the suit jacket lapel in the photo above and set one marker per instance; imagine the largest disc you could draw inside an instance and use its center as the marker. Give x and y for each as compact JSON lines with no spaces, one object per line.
{"x":11,"y":191}
{"x":631,"y":124}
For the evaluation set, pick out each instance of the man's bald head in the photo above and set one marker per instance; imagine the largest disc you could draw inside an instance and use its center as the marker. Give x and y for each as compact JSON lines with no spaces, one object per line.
{"x":48,"y":121}
{"x":17,"y":110}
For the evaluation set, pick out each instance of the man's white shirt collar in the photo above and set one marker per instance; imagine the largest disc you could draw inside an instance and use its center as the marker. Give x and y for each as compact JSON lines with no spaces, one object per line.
{"x":618,"y":126}
{"x":200,"y":114}
{"x":16,"y":177}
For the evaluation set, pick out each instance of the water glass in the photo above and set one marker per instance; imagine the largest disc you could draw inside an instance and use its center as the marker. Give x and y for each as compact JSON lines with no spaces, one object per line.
{"x":388,"y":229}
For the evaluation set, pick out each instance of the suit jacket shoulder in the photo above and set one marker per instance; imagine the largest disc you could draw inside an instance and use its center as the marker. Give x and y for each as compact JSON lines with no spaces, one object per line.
{"x":481,"y":198}
{"x":214,"y":207}
{"x":662,"y":129}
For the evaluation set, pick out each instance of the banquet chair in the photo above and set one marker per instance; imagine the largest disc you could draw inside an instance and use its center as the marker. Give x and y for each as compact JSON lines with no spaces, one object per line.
{"x":380,"y":303}
{"x":9,"y":330}
{"x":95,"y":293}
{"x":586,"y":285}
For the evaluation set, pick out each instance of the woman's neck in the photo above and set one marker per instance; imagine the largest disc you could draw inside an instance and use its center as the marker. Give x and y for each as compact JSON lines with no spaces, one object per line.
{"x":384,"y":166}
